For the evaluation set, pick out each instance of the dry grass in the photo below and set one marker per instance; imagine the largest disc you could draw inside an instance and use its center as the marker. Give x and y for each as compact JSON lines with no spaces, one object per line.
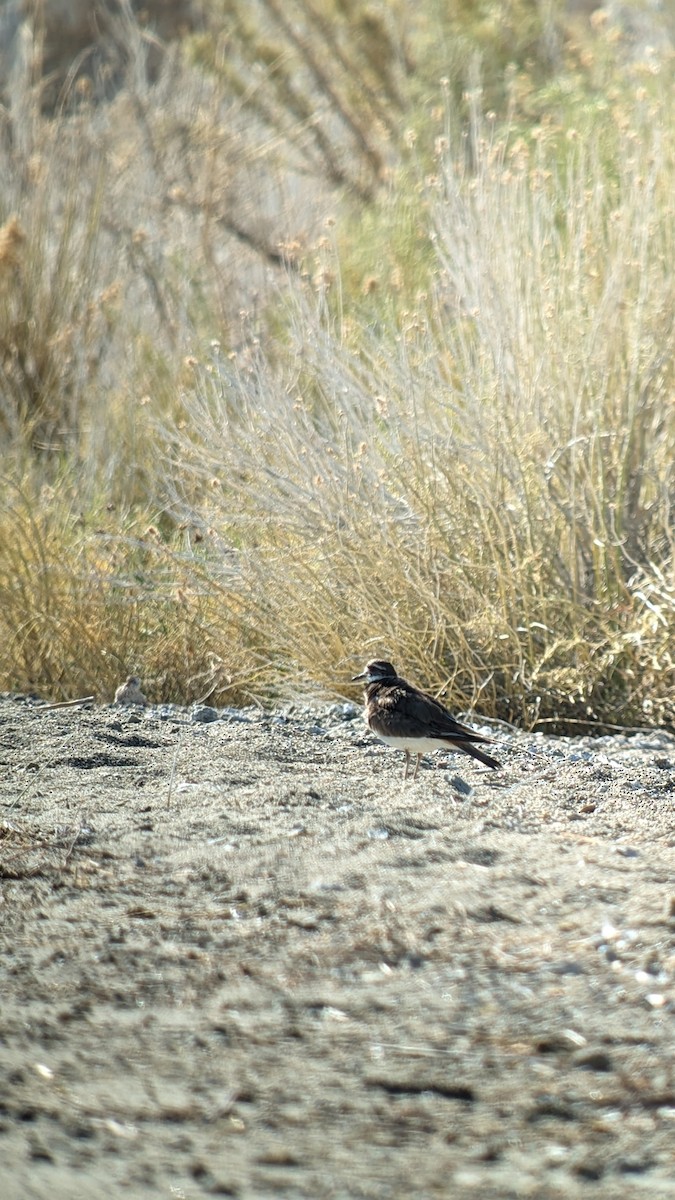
{"x":84,"y":604}
{"x":482,"y":492}
{"x":441,"y":433}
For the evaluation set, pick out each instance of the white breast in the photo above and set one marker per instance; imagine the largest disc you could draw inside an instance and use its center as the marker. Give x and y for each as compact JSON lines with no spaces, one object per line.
{"x":413,"y":745}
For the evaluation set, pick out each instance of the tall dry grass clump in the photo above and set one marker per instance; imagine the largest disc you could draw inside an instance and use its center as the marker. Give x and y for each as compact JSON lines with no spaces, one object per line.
{"x":85,"y":600}
{"x":482,"y":491}
{"x":122,"y":228}
{"x":243,"y":449}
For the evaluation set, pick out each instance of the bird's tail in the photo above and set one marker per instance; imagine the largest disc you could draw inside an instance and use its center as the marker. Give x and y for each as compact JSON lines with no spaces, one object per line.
{"x":469,"y":748}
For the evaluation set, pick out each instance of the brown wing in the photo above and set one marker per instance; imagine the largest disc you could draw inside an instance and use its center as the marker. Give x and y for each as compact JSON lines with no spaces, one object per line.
{"x":399,"y":710}
{"x":436,"y":719}
{"x":409,"y":712}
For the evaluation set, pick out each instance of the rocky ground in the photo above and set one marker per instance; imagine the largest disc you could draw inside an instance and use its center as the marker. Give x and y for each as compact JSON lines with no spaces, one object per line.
{"x":241,"y":958}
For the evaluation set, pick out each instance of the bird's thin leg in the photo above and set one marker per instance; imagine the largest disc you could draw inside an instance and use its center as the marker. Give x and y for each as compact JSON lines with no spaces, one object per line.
{"x":417,"y":766}
{"x":407,"y":761}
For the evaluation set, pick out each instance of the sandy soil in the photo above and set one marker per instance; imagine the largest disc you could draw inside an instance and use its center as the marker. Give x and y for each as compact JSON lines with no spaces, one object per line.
{"x":243,"y":959}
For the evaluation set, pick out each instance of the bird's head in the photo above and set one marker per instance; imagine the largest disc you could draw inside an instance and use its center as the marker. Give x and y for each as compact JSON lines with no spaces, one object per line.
{"x":376,"y":671}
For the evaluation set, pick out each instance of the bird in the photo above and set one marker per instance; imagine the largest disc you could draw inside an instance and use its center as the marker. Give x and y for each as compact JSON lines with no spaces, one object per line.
{"x":130,"y":692}
{"x":402,"y":716}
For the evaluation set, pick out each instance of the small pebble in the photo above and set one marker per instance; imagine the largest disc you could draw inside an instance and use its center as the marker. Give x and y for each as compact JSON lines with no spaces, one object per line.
{"x":204,"y":714}
{"x":566,"y":967}
{"x":461,"y":786}
{"x":235,"y":714}
{"x":344,"y":712}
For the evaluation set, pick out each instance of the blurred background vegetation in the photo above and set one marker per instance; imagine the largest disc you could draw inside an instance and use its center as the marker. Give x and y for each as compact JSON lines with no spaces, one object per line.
{"x":340,"y":330}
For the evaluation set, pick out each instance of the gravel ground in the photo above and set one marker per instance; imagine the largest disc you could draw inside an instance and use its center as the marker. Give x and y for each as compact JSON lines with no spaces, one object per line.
{"x":241,"y":958}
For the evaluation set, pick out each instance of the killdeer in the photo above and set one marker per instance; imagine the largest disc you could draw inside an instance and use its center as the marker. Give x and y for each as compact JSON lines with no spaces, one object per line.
{"x":130,"y":692}
{"x":407,"y":719}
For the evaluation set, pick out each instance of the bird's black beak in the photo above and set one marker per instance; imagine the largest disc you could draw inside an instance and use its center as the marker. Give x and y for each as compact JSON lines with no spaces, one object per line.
{"x":363,"y":675}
